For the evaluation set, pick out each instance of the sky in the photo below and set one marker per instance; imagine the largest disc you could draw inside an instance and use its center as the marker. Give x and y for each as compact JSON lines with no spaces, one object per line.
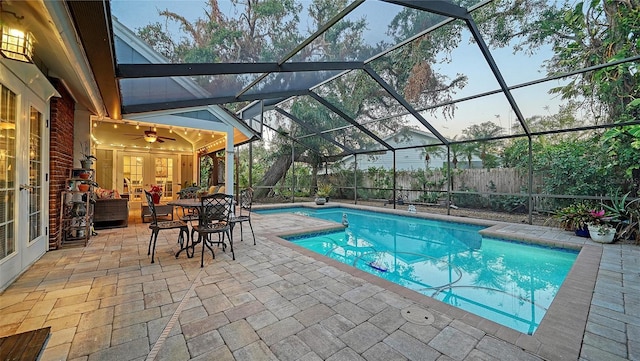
{"x":467,"y":60}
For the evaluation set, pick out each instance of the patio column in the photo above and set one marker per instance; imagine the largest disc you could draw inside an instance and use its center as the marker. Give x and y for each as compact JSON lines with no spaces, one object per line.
{"x":228,"y":161}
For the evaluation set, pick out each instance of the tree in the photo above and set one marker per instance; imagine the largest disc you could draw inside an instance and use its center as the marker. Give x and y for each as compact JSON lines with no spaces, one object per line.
{"x":581,"y":35}
{"x":484,"y":147}
{"x":456,"y":150}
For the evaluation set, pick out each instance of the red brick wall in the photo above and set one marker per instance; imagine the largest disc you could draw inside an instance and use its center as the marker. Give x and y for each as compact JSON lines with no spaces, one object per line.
{"x":60,"y":155}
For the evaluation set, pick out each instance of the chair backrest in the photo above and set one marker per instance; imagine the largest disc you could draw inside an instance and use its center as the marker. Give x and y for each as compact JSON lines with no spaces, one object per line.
{"x":215,"y":208}
{"x":152,"y":207}
{"x":189,"y":192}
{"x":246,"y":199}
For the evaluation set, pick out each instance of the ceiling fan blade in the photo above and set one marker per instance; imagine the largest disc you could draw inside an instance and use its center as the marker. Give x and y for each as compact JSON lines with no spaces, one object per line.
{"x":159,"y":140}
{"x":167,"y":138}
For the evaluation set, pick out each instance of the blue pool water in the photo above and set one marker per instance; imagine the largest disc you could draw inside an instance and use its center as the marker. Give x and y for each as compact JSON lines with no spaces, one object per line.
{"x":510,"y":283}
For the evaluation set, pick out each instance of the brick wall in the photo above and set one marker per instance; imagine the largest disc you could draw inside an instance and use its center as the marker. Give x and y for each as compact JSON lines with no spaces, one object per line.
{"x":61,"y":155}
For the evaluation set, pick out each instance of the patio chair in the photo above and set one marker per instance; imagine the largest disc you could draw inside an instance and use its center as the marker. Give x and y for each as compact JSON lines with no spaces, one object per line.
{"x":189,"y":214}
{"x":156,"y":227}
{"x":246,"y":199}
{"x":215,"y":211}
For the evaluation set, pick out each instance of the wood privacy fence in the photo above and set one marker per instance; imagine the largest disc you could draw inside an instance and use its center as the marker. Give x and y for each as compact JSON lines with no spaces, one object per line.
{"x":499,"y":180}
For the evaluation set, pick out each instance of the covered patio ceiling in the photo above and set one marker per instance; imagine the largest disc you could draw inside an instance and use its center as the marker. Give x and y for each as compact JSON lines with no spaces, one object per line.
{"x":263,"y":87}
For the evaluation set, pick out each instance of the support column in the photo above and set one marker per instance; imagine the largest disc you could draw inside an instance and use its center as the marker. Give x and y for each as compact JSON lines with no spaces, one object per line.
{"x":229,"y":156}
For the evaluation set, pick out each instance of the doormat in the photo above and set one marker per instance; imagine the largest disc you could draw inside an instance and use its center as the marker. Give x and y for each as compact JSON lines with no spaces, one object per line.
{"x":25,"y":346}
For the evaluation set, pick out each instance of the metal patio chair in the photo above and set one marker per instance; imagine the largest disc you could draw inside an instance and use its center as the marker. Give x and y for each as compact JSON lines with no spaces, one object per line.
{"x":214,"y":212}
{"x":246,"y":199}
{"x":156,"y":227}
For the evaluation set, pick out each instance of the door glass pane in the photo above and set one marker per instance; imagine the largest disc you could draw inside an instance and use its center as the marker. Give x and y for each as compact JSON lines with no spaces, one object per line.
{"x":164,"y":176}
{"x":132,"y":172}
{"x":8,"y":117}
{"x":35,"y":173}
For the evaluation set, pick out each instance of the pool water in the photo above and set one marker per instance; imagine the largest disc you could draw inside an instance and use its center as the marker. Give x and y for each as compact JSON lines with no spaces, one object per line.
{"x":508,"y":282}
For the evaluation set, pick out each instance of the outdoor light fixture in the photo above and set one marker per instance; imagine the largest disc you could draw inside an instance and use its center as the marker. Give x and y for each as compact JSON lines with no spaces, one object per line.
{"x":17,"y":44}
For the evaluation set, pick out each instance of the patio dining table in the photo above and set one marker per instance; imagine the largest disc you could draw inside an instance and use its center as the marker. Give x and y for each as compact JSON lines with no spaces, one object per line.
{"x":194,"y":203}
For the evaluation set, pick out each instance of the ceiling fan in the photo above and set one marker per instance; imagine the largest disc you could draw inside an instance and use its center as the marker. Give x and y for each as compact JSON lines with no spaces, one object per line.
{"x":151,"y":136}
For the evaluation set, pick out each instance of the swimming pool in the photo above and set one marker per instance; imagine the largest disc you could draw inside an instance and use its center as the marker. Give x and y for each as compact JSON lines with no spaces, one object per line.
{"x":508,"y":282}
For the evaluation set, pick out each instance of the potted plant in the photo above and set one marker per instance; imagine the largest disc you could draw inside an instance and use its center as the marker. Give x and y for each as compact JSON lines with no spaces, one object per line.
{"x":599,"y":228}
{"x":201,"y":192}
{"x":602,"y":233}
{"x":87,"y":158}
{"x":322,"y":195}
{"x":156,"y":193}
{"x":575,"y":217}
{"x":627,"y":216}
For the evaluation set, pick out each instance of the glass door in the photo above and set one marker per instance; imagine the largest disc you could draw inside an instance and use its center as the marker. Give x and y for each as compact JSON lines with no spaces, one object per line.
{"x":35,"y":174}
{"x":164,"y":173}
{"x":133,"y":173}
{"x":23,"y":189}
{"x":8,"y":120}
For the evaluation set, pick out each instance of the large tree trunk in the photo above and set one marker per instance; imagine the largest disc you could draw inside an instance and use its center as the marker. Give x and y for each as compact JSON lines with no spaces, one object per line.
{"x":271,"y":177}
{"x":279,"y":169}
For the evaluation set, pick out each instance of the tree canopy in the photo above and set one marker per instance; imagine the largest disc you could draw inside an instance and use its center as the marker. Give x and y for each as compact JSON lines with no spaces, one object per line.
{"x":581,"y":35}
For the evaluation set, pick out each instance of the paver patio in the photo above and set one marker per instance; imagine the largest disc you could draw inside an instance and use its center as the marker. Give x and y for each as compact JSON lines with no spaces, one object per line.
{"x":277,"y":301}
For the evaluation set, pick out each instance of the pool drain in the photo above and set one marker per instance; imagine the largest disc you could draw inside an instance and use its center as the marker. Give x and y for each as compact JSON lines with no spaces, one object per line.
{"x":417,"y":315}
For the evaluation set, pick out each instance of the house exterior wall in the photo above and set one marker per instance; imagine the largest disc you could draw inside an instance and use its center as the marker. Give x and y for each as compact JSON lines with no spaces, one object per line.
{"x":61,"y":155}
{"x":408,"y":159}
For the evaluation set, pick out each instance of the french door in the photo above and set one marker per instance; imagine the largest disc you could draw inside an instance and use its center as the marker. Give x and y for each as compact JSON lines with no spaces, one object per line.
{"x":23,"y":183}
{"x":143,"y":170}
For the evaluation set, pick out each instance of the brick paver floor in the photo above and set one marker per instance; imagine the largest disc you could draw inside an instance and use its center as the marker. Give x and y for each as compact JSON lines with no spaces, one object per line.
{"x":276,"y":301}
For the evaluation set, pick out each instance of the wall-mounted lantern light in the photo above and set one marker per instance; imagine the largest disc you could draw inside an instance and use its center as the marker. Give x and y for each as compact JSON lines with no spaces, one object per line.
{"x":17,"y":43}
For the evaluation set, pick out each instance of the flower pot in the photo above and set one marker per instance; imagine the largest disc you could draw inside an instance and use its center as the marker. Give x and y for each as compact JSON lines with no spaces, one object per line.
{"x":156,"y":198}
{"x":602,"y":235}
{"x":582,"y":232}
{"x":86,"y":163}
{"x":83,"y":187}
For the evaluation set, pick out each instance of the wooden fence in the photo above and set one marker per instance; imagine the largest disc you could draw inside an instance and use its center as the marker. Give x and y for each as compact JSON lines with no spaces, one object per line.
{"x":499,"y":180}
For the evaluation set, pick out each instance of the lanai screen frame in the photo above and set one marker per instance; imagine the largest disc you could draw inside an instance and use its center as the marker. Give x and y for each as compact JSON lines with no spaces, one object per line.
{"x":265,"y":101}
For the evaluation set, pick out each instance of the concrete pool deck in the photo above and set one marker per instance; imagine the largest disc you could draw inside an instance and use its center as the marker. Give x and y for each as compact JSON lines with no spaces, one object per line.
{"x":277,"y":301}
